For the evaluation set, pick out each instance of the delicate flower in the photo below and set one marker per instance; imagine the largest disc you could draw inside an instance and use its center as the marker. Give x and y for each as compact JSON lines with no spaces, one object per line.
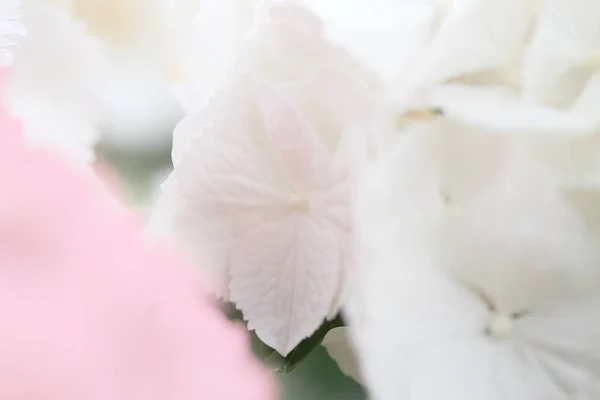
{"x":53,"y":85}
{"x":456,"y":66}
{"x":263,"y":176}
{"x":91,"y":310}
{"x":11,"y":28}
{"x":476,"y":233}
{"x":477,"y":278}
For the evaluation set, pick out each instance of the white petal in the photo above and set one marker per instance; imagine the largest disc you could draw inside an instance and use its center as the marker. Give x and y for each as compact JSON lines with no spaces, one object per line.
{"x":220,"y":107}
{"x":215,"y":47}
{"x":338,"y":346}
{"x":488,"y":370}
{"x":296,"y":141}
{"x":573,"y":161}
{"x":586,"y":104}
{"x":227,"y":176}
{"x":284,"y":275}
{"x":473,"y":38}
{"x":174,"y":219}
{"x":569,"y":334}
{"x":496,"y":109}
{"x":388,"y":35}
{"x":556,"y":69}
{"x":534,"y":256}
{"x":419,"y":330}
{"x":407,"y":308}
{"x":222,"y":188}
{"x":261,"y":171}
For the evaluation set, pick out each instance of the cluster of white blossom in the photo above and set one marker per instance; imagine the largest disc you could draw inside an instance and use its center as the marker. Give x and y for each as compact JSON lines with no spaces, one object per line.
{"x":430,"y":167}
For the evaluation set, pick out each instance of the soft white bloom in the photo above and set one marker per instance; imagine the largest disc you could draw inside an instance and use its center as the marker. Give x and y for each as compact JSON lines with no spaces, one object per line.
{"x":263,"y":175}
{"x":54,"y":83}
{"x":477,"y":277}
{"x":517,"y":68}
{"x":11,"y":28}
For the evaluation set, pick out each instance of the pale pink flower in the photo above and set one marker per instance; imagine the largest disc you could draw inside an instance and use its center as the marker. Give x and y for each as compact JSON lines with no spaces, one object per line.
{"x":91,"y":311}
{"x":263,"y":176}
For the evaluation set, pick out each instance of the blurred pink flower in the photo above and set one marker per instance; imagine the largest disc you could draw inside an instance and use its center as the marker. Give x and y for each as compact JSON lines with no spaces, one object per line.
{"x":91,"y":311}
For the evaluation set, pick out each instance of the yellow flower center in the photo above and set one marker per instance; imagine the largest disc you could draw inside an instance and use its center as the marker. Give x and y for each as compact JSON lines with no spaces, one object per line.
{"x":419,"y":115}
{"x":299,"y":201}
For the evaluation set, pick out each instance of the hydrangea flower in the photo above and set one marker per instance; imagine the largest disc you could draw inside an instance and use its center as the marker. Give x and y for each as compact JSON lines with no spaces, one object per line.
{"x":263,"y":175}
{"x":477,"y":275}
{"x":90,"y":309}
{"x":477,"y":226}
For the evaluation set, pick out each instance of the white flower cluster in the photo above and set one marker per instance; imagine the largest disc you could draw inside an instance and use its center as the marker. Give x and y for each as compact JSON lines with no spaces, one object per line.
{"x":478,"y":271}
{"x":430,"y":167}
{"x":265,"y":163}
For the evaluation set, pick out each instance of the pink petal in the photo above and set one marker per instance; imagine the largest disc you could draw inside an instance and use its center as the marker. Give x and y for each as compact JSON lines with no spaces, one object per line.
{"x":93,"y":312}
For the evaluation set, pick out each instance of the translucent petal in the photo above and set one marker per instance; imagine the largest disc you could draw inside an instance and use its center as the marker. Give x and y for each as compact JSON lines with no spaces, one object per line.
{"x":284,"y":276}
{"x":556,"y":65}
{"x":473,"y":38}
{"x":496,"y":109}
{"x":337,"y":344}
